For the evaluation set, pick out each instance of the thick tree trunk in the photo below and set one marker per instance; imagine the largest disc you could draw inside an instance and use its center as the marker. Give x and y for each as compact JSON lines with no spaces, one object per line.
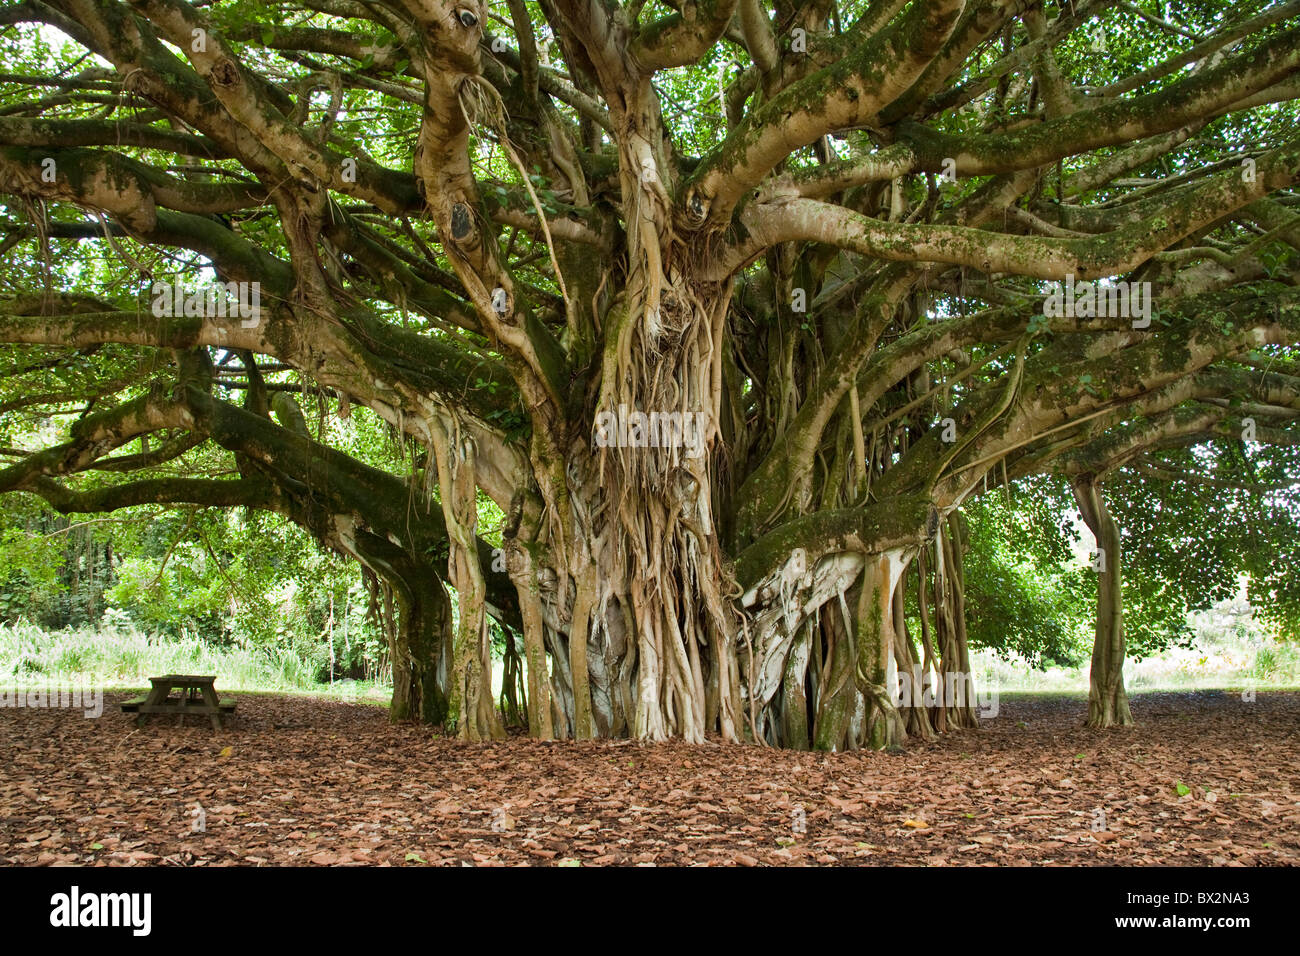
{"x":415,"y":610}
{"x":421,"y":651}
{"x":837,"y":692}
{"x":1107,"y":699}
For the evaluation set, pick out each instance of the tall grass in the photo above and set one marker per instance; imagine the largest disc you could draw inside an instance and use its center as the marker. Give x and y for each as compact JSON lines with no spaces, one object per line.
{"x":125,"y":657}
{"x":1230,"y":651}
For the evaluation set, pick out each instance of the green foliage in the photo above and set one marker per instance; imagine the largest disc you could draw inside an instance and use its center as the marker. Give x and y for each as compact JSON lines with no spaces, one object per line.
{"x":1024,"y":595}
{"x":247,"y":582}
{"x":1186,"y":540}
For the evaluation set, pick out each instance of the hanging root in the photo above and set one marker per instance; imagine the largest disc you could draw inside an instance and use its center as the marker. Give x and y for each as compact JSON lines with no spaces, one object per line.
{"x":481,"y":105}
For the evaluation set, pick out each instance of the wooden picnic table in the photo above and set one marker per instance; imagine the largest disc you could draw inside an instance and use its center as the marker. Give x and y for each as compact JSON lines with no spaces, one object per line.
{"x":197,"y":696}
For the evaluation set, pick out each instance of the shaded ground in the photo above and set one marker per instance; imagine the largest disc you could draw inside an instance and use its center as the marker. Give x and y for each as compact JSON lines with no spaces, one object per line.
{"x":297,"y":780}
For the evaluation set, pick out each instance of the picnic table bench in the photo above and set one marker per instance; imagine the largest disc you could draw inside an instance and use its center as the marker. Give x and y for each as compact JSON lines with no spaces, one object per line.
{"x":197,"y":696}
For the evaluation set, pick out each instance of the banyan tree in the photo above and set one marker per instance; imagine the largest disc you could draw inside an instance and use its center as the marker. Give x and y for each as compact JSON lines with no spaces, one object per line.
{"x":727,"y":305}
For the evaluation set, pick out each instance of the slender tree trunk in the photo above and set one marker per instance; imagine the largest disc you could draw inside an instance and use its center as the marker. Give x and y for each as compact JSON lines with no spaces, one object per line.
{"x":1107,"y":699}
{"x":540,"y":718}
{"x":963,"y":681}
{"x":513,"y":696}
{"x":916,"y":719}
{"x":471,"y":701}
{"x":954,"y":691}
{"x":794,"y":700}
{"x":578,"y":635}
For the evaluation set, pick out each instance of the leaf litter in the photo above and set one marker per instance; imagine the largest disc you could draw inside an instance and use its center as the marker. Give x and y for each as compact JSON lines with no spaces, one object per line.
{"x":1204,"y":779}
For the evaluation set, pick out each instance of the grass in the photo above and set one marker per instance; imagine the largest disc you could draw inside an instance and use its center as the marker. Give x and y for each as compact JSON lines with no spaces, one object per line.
{"x":124,"y":658}
{"x":1230,"y":651}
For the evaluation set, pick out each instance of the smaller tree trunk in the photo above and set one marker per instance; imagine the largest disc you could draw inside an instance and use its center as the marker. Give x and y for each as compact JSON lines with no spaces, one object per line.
{"x":916,"y":719}
{"x":540,"y":716}
{"x":794,"y":701}
{"x":875,"y":648}
{"x":579,"y":630}
{"x":1107,"y":699}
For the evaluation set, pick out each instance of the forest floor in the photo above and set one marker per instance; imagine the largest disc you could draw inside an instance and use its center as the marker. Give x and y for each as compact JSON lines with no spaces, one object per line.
{"x":1205,"y":778}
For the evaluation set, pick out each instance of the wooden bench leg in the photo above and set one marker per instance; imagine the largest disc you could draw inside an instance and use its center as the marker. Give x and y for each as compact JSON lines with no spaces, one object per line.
{"x":211,"y":700}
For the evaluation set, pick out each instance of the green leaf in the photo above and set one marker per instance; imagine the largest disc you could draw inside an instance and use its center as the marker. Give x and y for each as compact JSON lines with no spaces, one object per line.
{"x":415,"y":858}
{"x":1182,"y":788}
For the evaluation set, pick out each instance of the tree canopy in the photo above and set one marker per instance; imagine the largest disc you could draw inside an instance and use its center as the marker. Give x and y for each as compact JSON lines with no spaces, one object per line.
{"x":728,"y":309}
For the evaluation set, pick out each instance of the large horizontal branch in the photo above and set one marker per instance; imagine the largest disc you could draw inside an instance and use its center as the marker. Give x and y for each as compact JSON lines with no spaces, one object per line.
{"x":1144,"y":466}
{"x":66,"y":133}
{"x":95,"y":435}
{"x":1203,"y":49}
{"x":241,"y":92}
{"x":152,"y":70}
{"x":1182,"y":425}
{"x":919,"y":148}
{"x":311,"y":485}
{"x":114,"y":183}
{"x":1054,"y":395}
{"x":681,"y":38}
{"x":1163,"y":417}
{"x":771,"y":223}
{"x":205,"y":492}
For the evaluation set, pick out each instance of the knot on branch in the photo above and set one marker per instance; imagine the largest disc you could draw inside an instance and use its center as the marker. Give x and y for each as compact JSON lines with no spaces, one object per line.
{"x":462,"y":222}
{"x":225,"y":73}
{"x":697,"y":208}
{"x":135,"y":81}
